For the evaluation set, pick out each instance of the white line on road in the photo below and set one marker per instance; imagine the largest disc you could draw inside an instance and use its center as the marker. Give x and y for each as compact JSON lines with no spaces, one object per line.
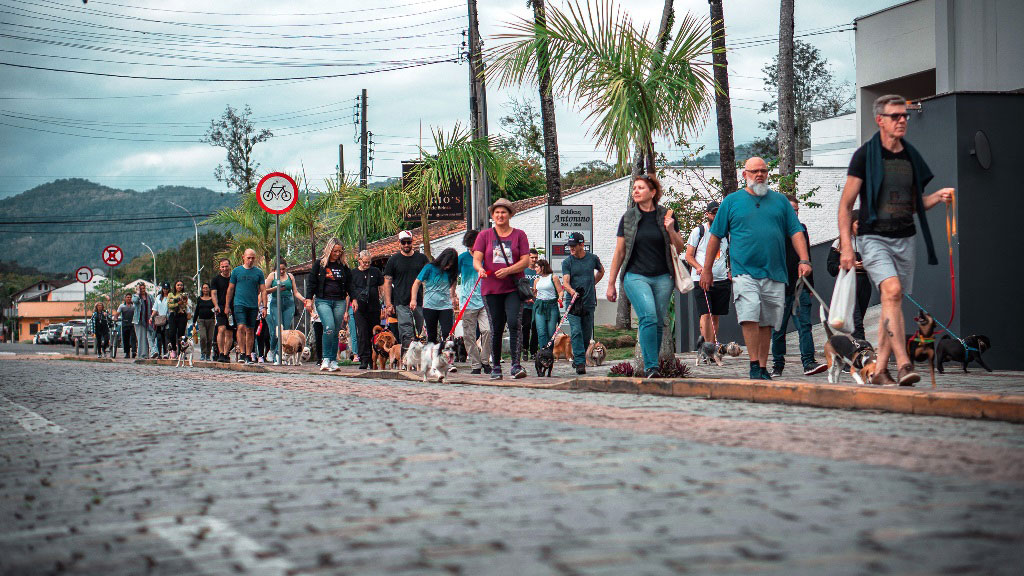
{"x":205,"y":540}
{"x":28,"y":419}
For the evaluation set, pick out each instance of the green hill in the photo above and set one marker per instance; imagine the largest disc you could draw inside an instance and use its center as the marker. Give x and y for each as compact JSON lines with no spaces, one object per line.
{"x":59,"y":226}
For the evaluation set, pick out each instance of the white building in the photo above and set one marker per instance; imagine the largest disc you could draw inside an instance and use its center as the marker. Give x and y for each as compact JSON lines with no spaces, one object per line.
{"x":833,"y":141}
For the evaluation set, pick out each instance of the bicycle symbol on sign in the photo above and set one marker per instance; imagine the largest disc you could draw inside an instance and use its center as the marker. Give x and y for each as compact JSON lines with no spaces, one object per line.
{"x":277,"y":192}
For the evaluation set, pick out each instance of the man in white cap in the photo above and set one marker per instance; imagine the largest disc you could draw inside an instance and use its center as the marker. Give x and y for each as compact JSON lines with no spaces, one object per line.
{"x":399,"y":274}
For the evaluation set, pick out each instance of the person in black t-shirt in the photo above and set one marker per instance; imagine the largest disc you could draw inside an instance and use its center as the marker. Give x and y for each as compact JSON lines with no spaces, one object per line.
{"x":888,"y":175}
{"x":219,"y":290}
{"x":328,"y":290}
{"x":365,"y":292}
{"x":399,"y":274}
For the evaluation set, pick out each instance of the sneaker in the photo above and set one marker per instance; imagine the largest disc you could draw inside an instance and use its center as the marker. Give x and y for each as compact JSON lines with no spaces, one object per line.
{"x":765,"y":375}
{"x":259,"y":360}
{"x":518,"y":372}
{"x":777,"y":372}
{"x":249,"y":362}
{"x":487,"y":369}
{"x":581,"y":369}
{"x":755,"y":372}
{"x":653,"y":373}
{"x":475,"y":371}
{"x":364,"y":366}
{"x":333,"y":367}
{"x":452,"y":369}
{"x":495,"y":374}
{"x":906,"y":376}
{"x":883,"y":378}
{"x":325,"y":364}
{"x":816,"y":368}
{"x":277,"y":362}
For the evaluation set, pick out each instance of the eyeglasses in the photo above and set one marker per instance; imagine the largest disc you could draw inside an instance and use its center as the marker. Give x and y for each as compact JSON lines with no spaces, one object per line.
{"x":758,"y":171}
{"x":405,"y":241}
{"x":897,"y":116}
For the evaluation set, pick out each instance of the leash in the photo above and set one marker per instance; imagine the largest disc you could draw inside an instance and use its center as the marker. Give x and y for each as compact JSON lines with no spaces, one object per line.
{"x":564,"y":316}
{"x":817,"y":297}
{"x":464,"y":306}
{"x":950,"y":233}
{"x":713,"y":331}
{"x":944,"y":328}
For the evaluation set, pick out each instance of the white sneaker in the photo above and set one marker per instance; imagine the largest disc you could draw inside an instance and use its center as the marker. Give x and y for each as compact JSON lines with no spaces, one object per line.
{"x":276,"y":363}
{"x":325,"y":365}
{"x":333,"y":367}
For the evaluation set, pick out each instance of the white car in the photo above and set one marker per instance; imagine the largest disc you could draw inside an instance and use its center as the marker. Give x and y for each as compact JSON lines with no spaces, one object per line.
{"x":72,"y":329}
{"x":49,"y":334}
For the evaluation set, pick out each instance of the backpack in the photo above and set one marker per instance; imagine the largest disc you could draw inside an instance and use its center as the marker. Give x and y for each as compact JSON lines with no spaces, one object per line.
{"x":700,"y":236}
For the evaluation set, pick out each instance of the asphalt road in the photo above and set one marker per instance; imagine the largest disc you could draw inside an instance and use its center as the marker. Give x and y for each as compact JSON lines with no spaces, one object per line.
{"x":125,"y":469}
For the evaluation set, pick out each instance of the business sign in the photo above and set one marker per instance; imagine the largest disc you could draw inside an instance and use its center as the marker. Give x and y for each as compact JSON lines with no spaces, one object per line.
{"x":277,"y":193}
{"x":450,"y":205}
{"x":83,"y":274}
{"x":563,"y":221}
{"x":112,"y":255}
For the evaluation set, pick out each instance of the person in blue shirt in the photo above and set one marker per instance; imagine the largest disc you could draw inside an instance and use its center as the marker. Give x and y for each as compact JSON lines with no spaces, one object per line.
{"x":528,"y":329}
{"x":581,"y":271}
{"x":247,"y":297}
{"x":439,"y":300}
{"x":757,"y":222}
{"x":476,"y":325}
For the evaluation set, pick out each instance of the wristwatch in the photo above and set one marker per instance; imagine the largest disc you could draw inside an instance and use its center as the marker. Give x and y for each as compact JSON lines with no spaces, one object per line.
{"x":808,"y":262}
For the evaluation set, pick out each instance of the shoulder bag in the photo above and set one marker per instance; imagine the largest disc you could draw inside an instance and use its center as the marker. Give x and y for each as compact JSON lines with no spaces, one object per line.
{"x":679,"y":271}
{"x":523,"y":284}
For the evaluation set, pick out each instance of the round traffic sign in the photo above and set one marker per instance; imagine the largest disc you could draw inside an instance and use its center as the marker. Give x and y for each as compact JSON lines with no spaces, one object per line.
{"x":83,"y":274}
{"x":277,"y":193}
{"x":112,"y":255}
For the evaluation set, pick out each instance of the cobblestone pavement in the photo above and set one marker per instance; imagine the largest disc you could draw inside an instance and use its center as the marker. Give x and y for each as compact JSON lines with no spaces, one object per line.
{"x":131,"y":469}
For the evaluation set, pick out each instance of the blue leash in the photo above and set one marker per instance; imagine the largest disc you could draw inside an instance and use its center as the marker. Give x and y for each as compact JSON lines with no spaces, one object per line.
{"x":941,"y":325}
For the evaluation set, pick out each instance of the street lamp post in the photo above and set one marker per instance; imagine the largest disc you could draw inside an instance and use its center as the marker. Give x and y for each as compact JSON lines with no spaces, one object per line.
{"x":198,"y":287}
{"x":154,"y":263}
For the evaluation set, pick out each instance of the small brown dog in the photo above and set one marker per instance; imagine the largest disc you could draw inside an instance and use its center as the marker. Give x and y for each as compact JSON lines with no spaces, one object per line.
{"x":383,"y":341}
{"x":293,"y":347}
{"x":563,"y":347}
{"x":395,"y":357}
{"x":921,"y":346}
{"x":596,"y":353}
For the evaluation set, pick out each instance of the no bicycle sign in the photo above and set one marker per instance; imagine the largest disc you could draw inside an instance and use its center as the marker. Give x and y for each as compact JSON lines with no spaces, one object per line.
{"x":277,"y":193}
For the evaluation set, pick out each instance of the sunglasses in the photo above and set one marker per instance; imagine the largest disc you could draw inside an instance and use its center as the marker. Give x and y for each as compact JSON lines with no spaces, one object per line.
{"x":405,"y":241}
{"x":758,"y":171}
{"x":897,"y":116}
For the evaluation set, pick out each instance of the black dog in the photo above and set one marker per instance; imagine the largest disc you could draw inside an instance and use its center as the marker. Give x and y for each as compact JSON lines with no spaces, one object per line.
{"x":544,"y":361}
{"x":460,"y":349}
{"x":951,"y":350}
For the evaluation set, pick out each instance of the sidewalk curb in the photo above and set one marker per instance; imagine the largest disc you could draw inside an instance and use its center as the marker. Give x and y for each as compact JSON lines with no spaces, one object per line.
{"x":1002,"y":407}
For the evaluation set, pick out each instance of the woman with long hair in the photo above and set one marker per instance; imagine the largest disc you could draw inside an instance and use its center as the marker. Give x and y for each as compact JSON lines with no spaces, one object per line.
{"x":177,"y":317}
{"x":439,"y":300}
{"x":328,"y":290}
{"x":206,"y":322}
{"x":160,"y":320}
{"x":547,"y":291}
{"x":101,"y":328}
{"x":643,"y":252}
{"x":500,"y":255}
{"x":289,"y":293}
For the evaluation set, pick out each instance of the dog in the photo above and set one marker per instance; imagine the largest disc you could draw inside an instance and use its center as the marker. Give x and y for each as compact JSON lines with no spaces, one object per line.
{"x":733,"y":349}
{"x":293,"y":347}
{"x":563,"y":347}
{"x":708,"y":352}
{"x":921,"y":346}
{"x":596,"y":353}
{"x":186,"y":350}
{"x":411,"y":360}
{"x":344,"y":348}
{"x":383,"y":341}
{"x":436,"y":359}
{"x":951,"y":350}
{"x":395,"y":357}
{"x":461,"y":355}
{"x":858,"y":354}
{"x":544,"y":361}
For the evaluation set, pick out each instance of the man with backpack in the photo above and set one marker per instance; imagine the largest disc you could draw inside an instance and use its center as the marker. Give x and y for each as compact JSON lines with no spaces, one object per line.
{"x":714,"y":303}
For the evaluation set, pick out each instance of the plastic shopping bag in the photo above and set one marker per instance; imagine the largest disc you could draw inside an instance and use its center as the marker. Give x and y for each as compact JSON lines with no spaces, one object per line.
{"x":844,"y":298}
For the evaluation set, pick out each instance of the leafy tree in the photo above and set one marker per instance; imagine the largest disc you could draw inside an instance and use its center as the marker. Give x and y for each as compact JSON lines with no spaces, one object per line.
{"x":237,"y":134}
{"x":817,"y":95}
{"x":255,"y":230}
{"x":528,"y":182}
{"x":589,"y":174}
{"x":526,"y":138}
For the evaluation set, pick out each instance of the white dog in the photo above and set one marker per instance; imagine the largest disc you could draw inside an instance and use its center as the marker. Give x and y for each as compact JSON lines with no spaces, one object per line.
{"x":411,"y":360}
{"x":436,"y":360}
{"x":185,"y":349}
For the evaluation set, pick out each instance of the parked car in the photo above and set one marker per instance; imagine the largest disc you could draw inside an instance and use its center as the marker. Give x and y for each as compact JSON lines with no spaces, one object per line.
{"x":72,"y":329}
{"x":50,"y":334}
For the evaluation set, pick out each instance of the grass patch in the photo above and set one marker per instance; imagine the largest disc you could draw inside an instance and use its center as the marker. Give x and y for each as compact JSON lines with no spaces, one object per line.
{"x":619,"y":354}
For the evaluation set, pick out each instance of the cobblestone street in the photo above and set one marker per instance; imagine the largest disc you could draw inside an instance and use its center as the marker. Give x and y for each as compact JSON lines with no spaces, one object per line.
{"x":144,"y":469}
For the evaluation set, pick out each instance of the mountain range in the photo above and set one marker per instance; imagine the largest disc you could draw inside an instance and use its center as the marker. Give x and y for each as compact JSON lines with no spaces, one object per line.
{"x":64,"y":224}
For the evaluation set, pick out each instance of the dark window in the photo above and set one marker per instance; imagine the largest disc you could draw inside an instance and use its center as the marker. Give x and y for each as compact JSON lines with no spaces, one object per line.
{"x":33,"y":328}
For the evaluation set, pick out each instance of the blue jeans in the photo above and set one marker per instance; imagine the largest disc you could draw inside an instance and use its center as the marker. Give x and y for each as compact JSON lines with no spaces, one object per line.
{"x":353,"y":334}
{"x":581,"y":332}
{"x":649,"y":296}
{"x":803,"y":326}
{"x":332,"y":315}
{"x":545,"y":317}
{"x":287,"y":313}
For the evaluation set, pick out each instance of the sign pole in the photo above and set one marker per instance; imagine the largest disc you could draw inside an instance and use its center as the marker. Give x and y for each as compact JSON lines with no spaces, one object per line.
{"x":279,"y":329}
{"x":277,"y":194}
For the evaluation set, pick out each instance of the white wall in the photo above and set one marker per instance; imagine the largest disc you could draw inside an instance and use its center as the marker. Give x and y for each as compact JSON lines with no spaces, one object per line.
{"x":833,"y":141}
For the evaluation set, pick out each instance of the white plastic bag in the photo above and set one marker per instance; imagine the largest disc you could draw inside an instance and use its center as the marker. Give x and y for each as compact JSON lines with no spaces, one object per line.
{"x":844,"y":298}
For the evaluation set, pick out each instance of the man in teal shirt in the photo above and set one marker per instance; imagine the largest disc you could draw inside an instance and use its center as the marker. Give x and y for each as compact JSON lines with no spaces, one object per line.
{"x":247,"y":297}
{"x":757,"y":222}
{"x":474,"y":320}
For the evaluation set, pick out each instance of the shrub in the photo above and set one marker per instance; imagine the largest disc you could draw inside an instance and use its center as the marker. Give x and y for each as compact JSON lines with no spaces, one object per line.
{"x":623,"y":369}
{"x":669,"y":368}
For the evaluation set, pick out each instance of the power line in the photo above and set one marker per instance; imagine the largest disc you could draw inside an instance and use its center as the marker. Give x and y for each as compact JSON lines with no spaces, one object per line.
{"x":101,"y":220}
{"x":260,"y":14}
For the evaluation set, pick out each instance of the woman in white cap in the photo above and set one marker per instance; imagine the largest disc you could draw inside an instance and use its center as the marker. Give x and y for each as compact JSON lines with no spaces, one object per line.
{"x":500,"y":255}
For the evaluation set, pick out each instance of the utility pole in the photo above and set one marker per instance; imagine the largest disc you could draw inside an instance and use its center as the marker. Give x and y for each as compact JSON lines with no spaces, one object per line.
{"x":341,"y":164}
{"x":480,"y":191}
{"x":364,"y":145}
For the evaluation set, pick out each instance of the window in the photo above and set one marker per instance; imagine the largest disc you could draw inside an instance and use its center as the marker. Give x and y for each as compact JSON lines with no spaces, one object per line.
{"x":33,"y":328}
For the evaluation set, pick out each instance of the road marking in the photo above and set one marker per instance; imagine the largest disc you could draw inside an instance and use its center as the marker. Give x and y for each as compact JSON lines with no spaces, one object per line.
{"x":50,"y":353}
{"x":7,"y":353}
{"x":28,"y":419}
{"x":216,"y":547}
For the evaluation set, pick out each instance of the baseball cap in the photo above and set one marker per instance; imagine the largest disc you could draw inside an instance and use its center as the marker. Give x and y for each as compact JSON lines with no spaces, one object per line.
{"x":575,"y":239}
{"x":712,"y":206}
{"x":404,"y":235}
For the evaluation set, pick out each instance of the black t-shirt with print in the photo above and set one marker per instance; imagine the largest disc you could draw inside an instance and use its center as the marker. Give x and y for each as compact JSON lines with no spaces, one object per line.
{"x":895,"y":205}
{"x":335,"y":281}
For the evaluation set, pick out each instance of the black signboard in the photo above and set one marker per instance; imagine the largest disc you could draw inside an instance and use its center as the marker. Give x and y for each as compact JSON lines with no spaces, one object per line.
{"x":449,"y":206}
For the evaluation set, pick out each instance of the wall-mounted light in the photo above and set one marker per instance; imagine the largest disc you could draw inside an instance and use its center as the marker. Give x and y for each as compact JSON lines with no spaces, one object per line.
{"x":982,"y":151}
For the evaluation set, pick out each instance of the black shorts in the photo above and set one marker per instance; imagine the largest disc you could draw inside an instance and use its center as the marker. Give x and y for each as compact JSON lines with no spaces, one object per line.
{"x":222,"y":320}
{"x":719,"y":297}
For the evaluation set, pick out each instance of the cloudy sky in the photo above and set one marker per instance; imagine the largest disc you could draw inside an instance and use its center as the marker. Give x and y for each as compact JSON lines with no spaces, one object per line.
{"x":120,"y":92}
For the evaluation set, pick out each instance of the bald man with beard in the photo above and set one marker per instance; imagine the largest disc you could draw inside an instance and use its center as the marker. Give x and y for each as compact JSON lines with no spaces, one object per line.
{"x":757,"y":221}
{"x":247,"y":297}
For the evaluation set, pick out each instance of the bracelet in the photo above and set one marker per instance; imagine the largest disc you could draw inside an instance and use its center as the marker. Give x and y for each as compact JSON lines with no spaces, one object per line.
{"x":808,"y":262}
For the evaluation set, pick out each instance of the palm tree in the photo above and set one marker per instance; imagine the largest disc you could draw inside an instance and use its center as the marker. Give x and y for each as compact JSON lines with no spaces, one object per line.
{"x":454,"y":155}
{"x":355,"y":210}
{"x":723,"y":106}
{"x":256,"y":230}
{"x":309,"y":215}
{"x":787,"y":123}
{"x":553,"y":176}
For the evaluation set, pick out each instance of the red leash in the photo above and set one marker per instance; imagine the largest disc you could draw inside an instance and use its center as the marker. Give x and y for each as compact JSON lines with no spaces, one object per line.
{"x":463,"y":311}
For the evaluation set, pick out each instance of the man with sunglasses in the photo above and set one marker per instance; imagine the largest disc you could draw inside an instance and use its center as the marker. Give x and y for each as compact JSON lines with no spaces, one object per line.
{"x":400,"y":272}
{"x":888,"y":175}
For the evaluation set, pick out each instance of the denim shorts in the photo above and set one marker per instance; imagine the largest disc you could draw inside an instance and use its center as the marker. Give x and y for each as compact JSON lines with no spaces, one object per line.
{"x":246,"y":316}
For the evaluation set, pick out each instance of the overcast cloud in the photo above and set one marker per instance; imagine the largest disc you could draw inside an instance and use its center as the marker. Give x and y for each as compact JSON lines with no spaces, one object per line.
{"x":138,"y":133}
